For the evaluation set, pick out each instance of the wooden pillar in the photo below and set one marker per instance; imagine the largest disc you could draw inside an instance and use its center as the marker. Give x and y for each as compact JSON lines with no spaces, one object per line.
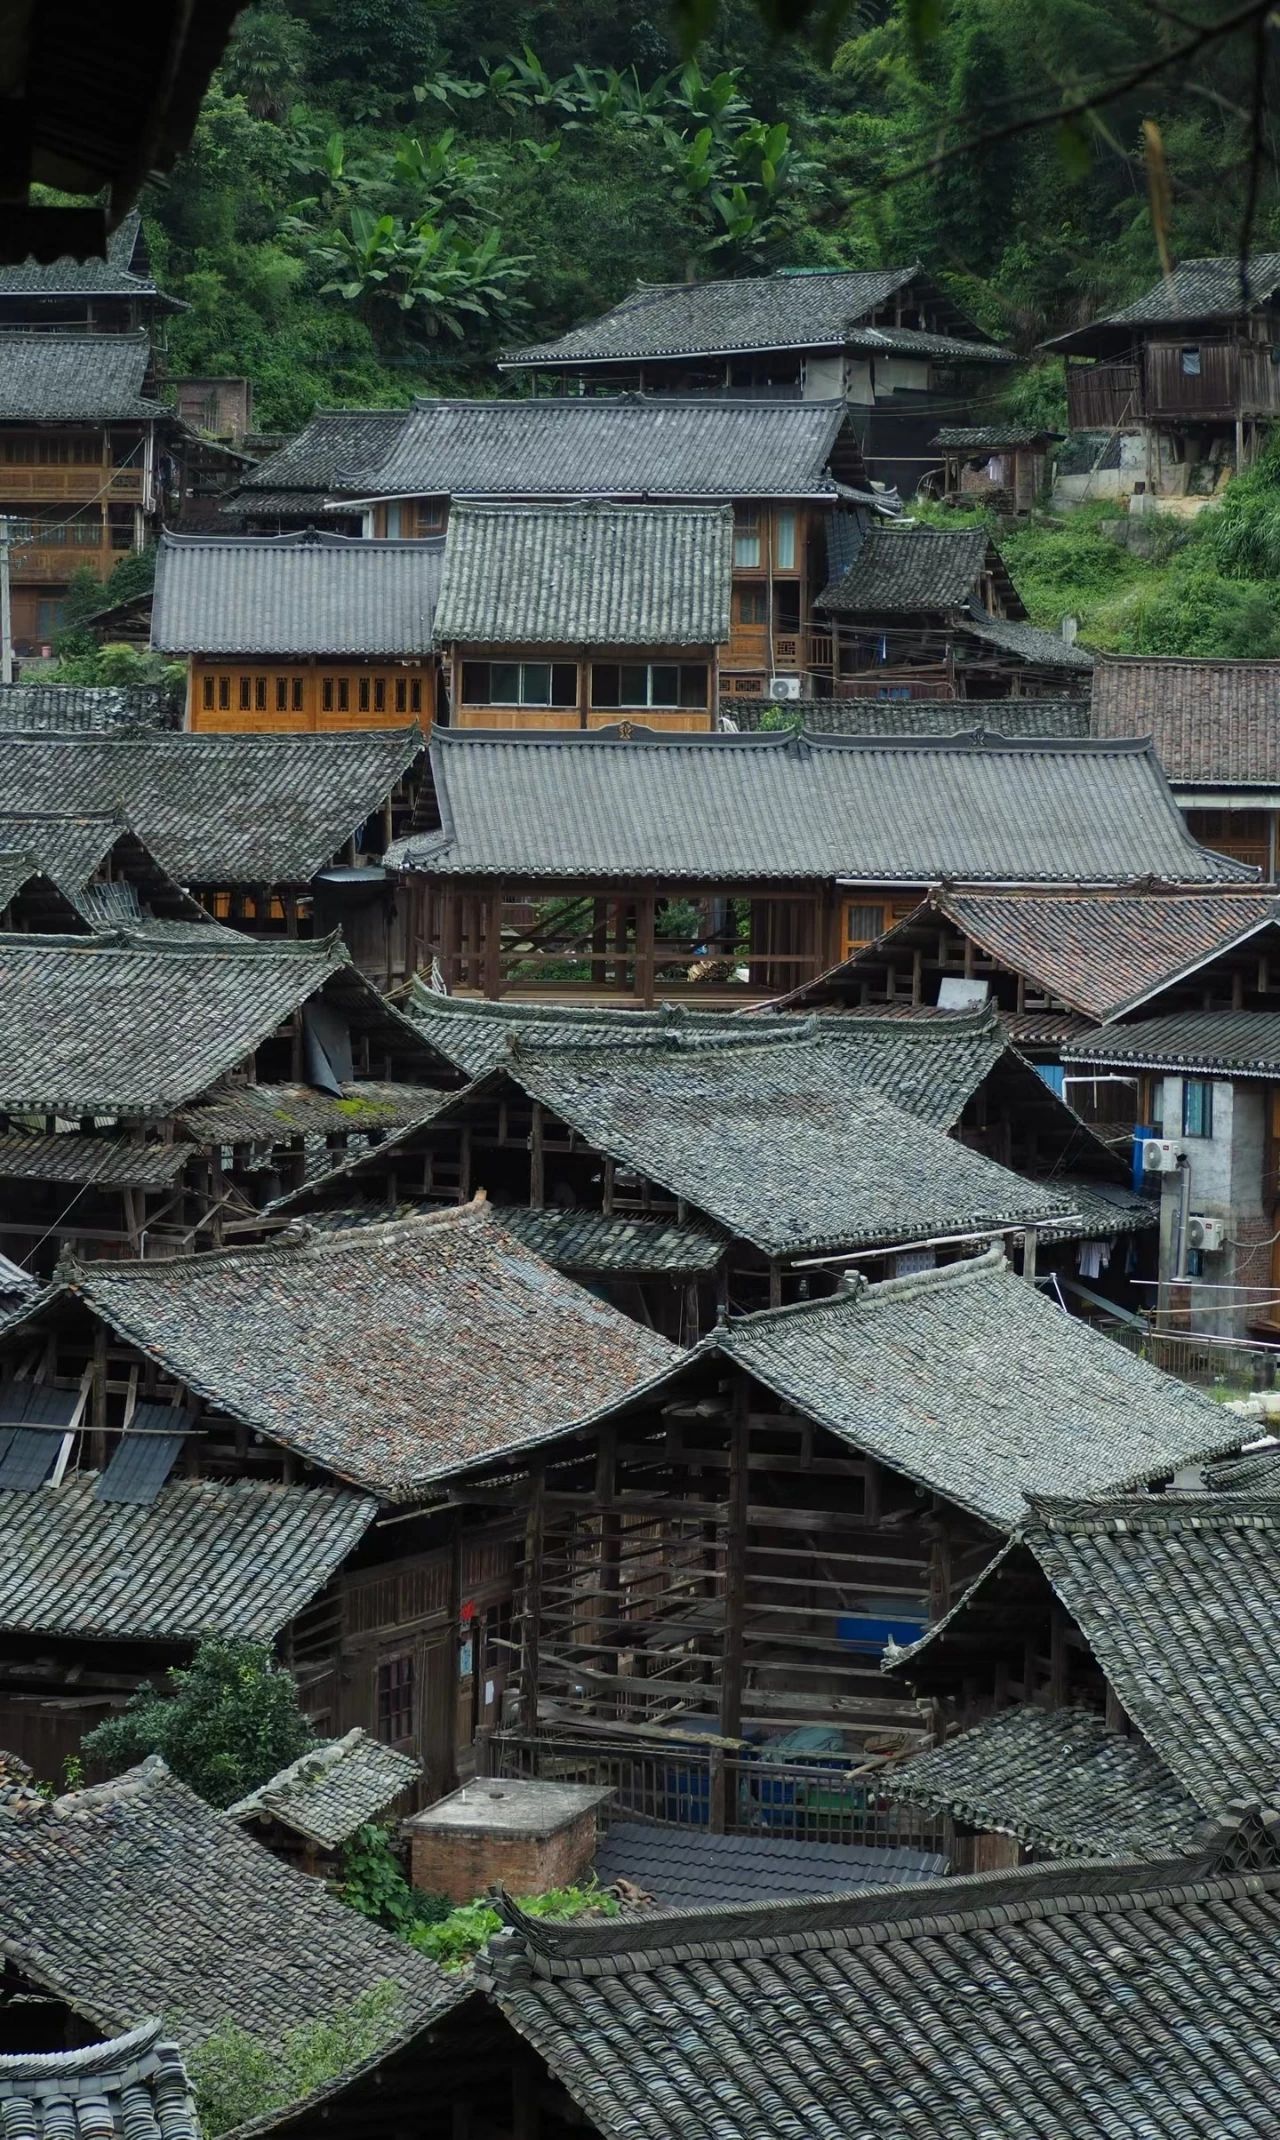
{"x":537,"y":1169}
{"x":493,"y":946}
{"x":99,"y":1412}
{"x":608,"y":1609}
{"x":775,"y":1283}
{"x":646,"y":907}
{"x":450,"y":934}
{"x":531,"y":1620}
{"x":735,"y":1565}
{"x":1029,"y":1254}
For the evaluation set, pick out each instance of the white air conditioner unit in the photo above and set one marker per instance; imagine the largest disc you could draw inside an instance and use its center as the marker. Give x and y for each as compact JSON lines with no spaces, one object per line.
{"x":784,"y":686}
{"x":1159,"y":1156}
{"x":1207,"y":1234}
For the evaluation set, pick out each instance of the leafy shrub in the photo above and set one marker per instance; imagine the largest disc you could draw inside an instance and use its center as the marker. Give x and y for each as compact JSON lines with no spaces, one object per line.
{"x":237,"y":2076}
{"x":227,"y":1723}
{"x":373,"y":1882}
{"x":458,"y":1937}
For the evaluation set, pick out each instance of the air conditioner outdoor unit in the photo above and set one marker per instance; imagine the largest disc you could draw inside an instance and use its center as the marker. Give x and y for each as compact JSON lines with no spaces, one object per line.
{"x":784,"y":686}
{"x":1159,"y":1156}
{"x":1207,"y":1234}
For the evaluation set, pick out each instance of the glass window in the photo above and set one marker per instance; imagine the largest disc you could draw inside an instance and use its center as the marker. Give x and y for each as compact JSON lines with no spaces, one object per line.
{"x":415,"y":696}
{"x":604,"y":683}
{"x":1191,"y":364}
{"x":402,"y":696}
{"x":564,"y":684}
{"x":363,"y":695}
{"x":379,"y":694}
{"x":206,"y":693}
{"x":282,"y":694}
{"x":535,"y":683}
{"x":297,"y":694}
{"x":633,"y":684}
{"x":693,"y":684}
{"x":326,"y":694}
{"x":245,"y":699}
{"x":344,"y":694}
{"x":224,"y":694}
{"x":784,"y":541}
{"x":1197,"y":1107}
{"x":753,"y":605}
{"x":504,"y":683}
{"x":430,"y":516}
{"x":664,"y":684}
{"x":746,"y":536}
{"x":259,"y":694}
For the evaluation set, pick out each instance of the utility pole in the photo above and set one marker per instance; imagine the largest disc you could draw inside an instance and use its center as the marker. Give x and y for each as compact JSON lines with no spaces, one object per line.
{"x":6,"y":608}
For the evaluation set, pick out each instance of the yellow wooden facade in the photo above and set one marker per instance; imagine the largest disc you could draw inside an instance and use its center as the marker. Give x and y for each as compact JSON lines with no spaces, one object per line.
{"x":308,"y":697}
{"x":572,"y":677}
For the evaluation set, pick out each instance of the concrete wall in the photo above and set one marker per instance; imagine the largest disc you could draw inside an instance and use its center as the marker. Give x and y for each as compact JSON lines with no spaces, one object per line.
{"x":1224,"y":1177}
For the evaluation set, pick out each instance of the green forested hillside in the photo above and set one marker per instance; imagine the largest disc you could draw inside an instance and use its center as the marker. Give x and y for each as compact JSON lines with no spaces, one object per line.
{"x":381,"y":193}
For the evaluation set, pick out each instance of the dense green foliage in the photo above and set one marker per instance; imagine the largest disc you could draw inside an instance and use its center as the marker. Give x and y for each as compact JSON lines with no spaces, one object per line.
{"x":373,"y":1882}
{"x":229,"y":1720}
{"x":237,"y":2076}
{"x":382,"y":192}
{"x":457,"y":1938}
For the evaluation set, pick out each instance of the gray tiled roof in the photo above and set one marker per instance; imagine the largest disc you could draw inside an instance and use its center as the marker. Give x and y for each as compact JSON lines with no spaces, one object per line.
{"x":974,"y":1383}
{"x":71,"y":707}
{"x":477,"y":1035}
{"x":75,"y":378}
{"x":1178,"y":1598}
{"x":741,"y":809}
{"x":390,"y":1356}
{"x":587,"y":575}
{"x":292,"y":595}
{"x":1255,"y":1471}
{"x":304,"y":472}
{"x":208,"y":1557}
{"x":1206,"y":1043}
{"x":1215,"y":723}
{"x":1206,"y":288}
{"x":1102,"y":953}
{"x":110,"y":275}
{"x":636,"y":446}
{"x":993,"y":436}
{"x":270,"y":1114}
{"x":1103,"y":1208}
{"x":1046,"y":717}
{"x":331,"y":1790}
{"x":1026,"y":642}
{"x":818,"y":309}
{"x":785,"y":1145}
{"x":1059,"y":2002}
{"x":137,"y":1897}
{"x":218,"y":809}
{"x":694,"y":1869}
{"x":897,"y":571}
{"x":1060,"y":1780}
{"x":588,"y":1241}
{"x":72,"y":849}
{"x":125,"y":1025}
{"x":109,"y":1162}
{"x":133,"y":2087}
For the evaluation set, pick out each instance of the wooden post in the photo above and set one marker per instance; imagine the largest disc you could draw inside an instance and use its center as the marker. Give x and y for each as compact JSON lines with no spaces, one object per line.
{"x":537,"y":1171}
{"x":607,"y":1603}
{"x":1029,"y":1254}
{"x":531,"y":1618}
{"x":735,"y":1580}
{"x":99,"y":1398}
{"x":493,"y":946}
{"x":644,"y":966}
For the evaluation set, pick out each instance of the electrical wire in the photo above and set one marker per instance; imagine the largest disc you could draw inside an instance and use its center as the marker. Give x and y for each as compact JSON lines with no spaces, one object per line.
{"x":34,"y":542}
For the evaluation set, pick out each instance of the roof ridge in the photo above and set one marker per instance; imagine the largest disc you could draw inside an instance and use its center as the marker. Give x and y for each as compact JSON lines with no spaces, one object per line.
{"x":945,"y":1276}
{"x":1117,"y":1514}
{"x":297,"y":1239}
{"x":872,"y":1917}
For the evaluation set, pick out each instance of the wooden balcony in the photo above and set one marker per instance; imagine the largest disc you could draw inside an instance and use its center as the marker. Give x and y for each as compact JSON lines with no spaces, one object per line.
{"x":22,"y":480}
{"x":56,"y":562}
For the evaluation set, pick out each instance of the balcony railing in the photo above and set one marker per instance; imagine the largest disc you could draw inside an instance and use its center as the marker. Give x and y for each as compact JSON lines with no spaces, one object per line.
{"x":57,"y":561}
{"x":86,"y":479}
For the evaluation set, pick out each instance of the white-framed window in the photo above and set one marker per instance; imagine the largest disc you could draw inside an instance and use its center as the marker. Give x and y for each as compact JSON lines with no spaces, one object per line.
{"x":634,"y":685}
{"x":519,"y":683}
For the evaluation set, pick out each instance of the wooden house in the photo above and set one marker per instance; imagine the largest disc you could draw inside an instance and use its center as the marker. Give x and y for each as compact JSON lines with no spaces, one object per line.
{"x":1183,"y":380}
{"x":832,"y":1147}
{"x":113,"y":292}
{"x":87,"y":461}
{"x":887,"y":341}
{"x":300,"y":486}
{"x":250,"y":1946}
{"x":278,"y":835}
{"x":1109,"y":1678}
{"x":259,"y":1442}
{"x":299,"y":633}
{"x":793,"y":474}
{"x":574,"y":616}
{"x":933,"y":613}
{"x":1023,"y":2002}
{"x":1001,"y":465}
{"x":159,"y":1083}
{"x":1216,"y":729}
{"x":629,"y":866}
{"x":310,"y":1809}
{"x":713,"y":1564}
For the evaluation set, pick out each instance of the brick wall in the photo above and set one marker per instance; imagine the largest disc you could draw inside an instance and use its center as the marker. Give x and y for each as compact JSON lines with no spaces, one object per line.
{"x":464,"y":1863}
